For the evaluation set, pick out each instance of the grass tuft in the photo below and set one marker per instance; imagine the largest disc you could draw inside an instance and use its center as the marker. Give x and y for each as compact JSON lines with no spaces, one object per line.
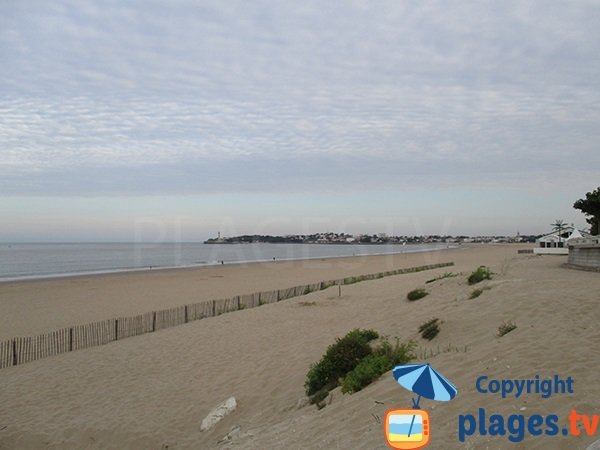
{"x":307,"y":303}
{"x":430,"y":329}
{"x":482,"y":273}
{"x":441,"y":277}
{"x":506,"y":327}
{"x":416,"y":294}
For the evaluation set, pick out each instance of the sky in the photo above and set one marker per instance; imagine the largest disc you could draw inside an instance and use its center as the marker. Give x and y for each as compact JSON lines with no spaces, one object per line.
{"x":175,"y":120}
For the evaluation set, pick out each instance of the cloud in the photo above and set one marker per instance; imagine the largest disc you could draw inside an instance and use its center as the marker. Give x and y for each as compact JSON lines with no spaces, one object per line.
{"x":182,"y":97}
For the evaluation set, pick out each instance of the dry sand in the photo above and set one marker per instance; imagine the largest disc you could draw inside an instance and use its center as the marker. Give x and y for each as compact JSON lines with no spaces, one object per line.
{"x":152,"y":391}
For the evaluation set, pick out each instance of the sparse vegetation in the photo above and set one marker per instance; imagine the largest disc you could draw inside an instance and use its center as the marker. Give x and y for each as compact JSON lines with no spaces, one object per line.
{"x":506,"y":327}
{"x":416,"y":294}
{"x":430,"y":329}
{"x":307,"y":303}
{"x":477,"y":292}
{"x":352,"y":280}
{"x":241,"y":306}
{"x":326,"y":284}
{"x":482,"y":273}
{"x":428,"y":353}
{"x":441,"y":277}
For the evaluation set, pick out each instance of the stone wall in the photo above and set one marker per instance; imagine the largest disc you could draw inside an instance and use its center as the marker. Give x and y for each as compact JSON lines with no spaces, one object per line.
{"x":585,"y":254}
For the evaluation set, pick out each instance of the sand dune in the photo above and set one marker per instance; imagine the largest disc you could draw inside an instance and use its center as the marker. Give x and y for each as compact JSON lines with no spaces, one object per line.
{"x":152,"y":391}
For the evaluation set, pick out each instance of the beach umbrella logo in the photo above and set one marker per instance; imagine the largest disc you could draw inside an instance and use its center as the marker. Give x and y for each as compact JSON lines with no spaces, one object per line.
{"x":409,"y":429}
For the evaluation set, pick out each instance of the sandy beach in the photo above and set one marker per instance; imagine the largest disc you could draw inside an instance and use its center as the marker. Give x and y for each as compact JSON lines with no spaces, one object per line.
{"x":152,"y":391}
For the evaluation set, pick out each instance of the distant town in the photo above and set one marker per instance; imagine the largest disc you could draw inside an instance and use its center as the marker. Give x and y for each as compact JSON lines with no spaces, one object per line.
{"x":376,"y":239}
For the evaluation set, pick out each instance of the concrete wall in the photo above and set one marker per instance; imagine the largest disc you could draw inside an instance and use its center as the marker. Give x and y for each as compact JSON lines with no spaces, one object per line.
{"x":585,"y":255}
{"x":551,"y":251}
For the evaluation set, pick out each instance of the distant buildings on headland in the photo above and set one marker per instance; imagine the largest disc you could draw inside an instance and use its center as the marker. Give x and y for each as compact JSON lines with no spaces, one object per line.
{"x":382,"y":238}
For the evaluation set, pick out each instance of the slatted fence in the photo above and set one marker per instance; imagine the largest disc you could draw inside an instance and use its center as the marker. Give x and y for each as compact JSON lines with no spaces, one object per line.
{"x":93,"y":334}
{"x":21,"y":350}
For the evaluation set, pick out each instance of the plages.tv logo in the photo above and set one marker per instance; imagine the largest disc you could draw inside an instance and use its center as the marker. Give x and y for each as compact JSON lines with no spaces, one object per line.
{"x":409,"y":428}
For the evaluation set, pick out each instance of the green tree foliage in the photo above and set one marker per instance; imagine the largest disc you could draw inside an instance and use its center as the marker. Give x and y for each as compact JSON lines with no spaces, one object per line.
{"x":590,"y":206}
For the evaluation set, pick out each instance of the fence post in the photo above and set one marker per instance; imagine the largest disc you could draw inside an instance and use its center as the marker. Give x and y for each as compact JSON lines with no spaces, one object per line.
{"x":14,"y":351}
{"x":116,"y":329}
{"x":214,"y":305}
{"x":186,"y":314}
{"x":154,"y":321}
{"x":71,"y":339}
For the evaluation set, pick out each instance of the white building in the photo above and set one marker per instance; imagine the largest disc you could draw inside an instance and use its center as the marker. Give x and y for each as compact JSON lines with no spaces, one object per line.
{"x":555,"y":244}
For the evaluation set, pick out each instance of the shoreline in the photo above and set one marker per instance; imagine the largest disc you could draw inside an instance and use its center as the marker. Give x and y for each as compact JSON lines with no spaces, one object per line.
{"x":18,"y":351}
{"x":153,"y":390}
{"x":27,"y":278}
{"x":31,"y":307}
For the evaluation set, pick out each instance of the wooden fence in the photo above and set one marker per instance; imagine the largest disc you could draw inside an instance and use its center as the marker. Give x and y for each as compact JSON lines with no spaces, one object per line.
{"x":21,"y":350}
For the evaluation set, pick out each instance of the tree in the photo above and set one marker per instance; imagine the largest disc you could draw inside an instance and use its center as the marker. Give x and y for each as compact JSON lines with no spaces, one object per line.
{"x":558,"y":226}
{"x":590,"y":206}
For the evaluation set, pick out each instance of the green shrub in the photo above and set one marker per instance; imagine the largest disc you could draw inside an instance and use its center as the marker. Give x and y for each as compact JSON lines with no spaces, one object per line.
{"x":397,"y":354}
{"x":339,"y":359}
{"x":368,"y":370}
{"x":506,"y":327}
{"x":430,"y":329}
{"x":482,"y":273}
{"x":416,"y":294}
{"x":376,"y":364}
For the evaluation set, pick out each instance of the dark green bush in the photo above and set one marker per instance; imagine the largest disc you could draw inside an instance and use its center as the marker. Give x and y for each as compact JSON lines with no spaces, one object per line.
{"x":482,"y":273}
{"x":376,"y":364}
{"x":416,"y":294}
{"x":369,"y":369}
{"x":339,"y":359}
{"x":430,"y":329}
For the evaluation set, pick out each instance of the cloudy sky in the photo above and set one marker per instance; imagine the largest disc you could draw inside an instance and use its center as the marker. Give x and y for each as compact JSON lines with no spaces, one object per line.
{"x":123,"y":120}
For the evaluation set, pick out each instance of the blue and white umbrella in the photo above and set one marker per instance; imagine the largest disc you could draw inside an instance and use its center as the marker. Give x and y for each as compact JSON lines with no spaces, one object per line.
{"x":425,"y":381}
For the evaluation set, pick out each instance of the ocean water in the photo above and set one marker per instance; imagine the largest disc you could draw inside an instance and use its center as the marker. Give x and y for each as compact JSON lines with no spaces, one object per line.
{"x":25,"y":261}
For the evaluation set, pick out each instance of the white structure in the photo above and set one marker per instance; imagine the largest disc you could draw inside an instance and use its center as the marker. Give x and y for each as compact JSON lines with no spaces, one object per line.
{"x":553,"y":244}
{"x":584,"y":253}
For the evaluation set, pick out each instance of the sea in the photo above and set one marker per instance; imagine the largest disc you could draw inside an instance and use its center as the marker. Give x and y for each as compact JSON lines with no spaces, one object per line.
{"x":32,"y":261}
